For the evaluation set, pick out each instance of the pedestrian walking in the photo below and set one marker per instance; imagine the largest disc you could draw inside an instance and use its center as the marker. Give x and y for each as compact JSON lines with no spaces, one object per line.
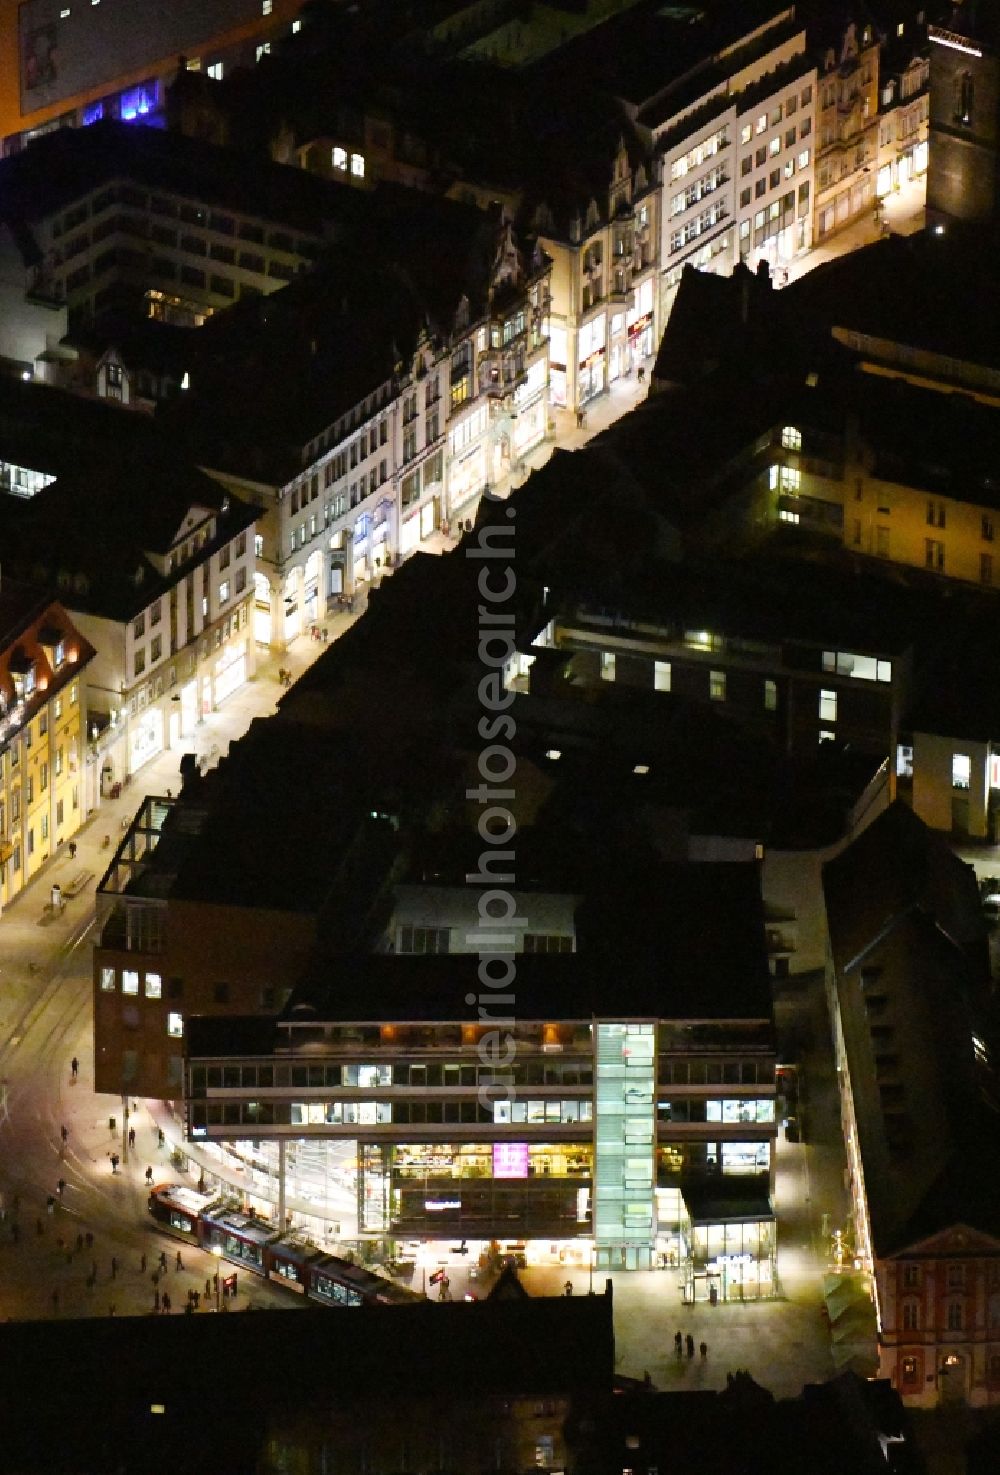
{"x":50,"y":1205}
{"x":163,"y":1259}
{"x":208,"y":1288}
{"x":166,"y":1301}
{"x":72,"y":850}
{"x":703,"y":1349}
{"x":690,"y":1345}
{"x":142,"y":1264}
{"x":64,"y":1134}
{"x":160,"y":1139}
{"x":61,"y":1187}
{"x":155,"y":1278}
{"x":197,"y":1300}
{"x":149,"y":1177}
{"x":114,"y":1267}
{"x":74,"y":1067}
{"x":115,"y":1160}
{"x":679,"y":1343}
{"x":131,"y":1136}
{"x":180,"y":1264}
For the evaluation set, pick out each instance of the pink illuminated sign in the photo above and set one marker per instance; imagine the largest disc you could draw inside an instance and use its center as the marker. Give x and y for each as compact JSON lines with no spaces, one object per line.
{"x":510,"y":1159}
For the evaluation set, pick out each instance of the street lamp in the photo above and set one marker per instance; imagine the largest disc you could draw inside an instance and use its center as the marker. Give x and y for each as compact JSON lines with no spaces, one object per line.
{"x":217,"y":1252}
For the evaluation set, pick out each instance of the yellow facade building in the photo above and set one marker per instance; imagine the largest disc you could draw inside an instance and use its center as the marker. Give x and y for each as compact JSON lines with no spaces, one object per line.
{"x":42,"y":724}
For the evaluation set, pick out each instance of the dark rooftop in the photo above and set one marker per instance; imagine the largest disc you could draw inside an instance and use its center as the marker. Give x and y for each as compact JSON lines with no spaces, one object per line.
{"x":102,"y":1417}
{"x":61,"y":167}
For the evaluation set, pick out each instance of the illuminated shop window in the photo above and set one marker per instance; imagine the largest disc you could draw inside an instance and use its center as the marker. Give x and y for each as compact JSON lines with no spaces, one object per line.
{"x":175,"y":1025}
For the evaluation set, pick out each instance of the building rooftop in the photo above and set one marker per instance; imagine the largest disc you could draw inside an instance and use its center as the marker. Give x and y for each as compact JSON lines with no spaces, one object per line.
{"x":912,"y":979}
{"x":125,"y":1365}
{"x":695,"y":950}
{"x":67,"y":164}
{"x":94,"y":534}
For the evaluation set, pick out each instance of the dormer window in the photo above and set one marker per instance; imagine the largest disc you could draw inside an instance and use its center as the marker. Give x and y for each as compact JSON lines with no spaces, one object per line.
{"x":59,"y":653}
{"x":29,"y":680}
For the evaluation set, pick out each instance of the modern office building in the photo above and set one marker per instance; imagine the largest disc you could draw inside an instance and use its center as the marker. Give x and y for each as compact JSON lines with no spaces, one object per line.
{"x":43,"y":658}
{"x":633,"y":1122}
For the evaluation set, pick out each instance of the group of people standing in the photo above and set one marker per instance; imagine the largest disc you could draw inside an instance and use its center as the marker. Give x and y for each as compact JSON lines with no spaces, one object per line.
{"x":682,"y":1343}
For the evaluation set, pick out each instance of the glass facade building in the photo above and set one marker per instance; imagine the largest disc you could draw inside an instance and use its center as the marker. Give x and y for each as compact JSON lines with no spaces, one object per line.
{"x":623,"y":1143}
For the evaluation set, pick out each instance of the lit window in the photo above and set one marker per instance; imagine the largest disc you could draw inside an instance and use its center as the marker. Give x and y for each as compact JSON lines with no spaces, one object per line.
{"x":607,"y":666}
{"x":961,"y":770}
{"x":258,"y":545}
{"x":785,"y":516}
{"x":791,"y":438}
{"x":661,"y":675}
{"x":214,"y":70}
{"x":296,"y":27}
{"x":717,"y":686}
{"x":826,"y":736}
{"x":154,"y":986}
{"x":266,"y":7}
{"x":107,"y":980}
{"x":770,"y":696}
{"x":761,"y":123}
{"x":223,"y":591}
{"x":339,"y":158}
{"x":130,"y":981}
{"x":357,"y":166}
{"x":175,"y":1025}
{"x":790,"y":479}
{"x":828,"y":706}
{"x":904,"y":760}
{"x":264,"y":49}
